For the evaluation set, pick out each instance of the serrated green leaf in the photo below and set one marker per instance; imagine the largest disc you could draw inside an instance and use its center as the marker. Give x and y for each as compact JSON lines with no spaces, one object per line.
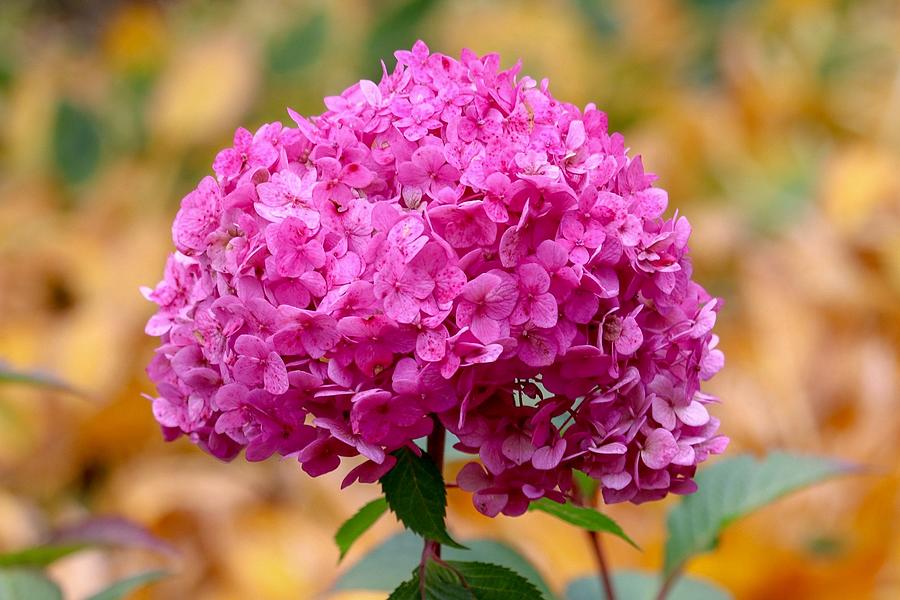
{"x":493,"y":582}
{"x":39,"y":556}
{"x":638,"y":585}
{"x":27,"y":584}
{"x":76,"y":142}
{"x":441,"y":583}
{"x":466,"y":580}
{"x":390,"y":563}
{"x":299,"y":46}
{"x":415,"y":492}
{"x":121,"y":589}
{"x":583,"y":517}
{"x":359,"y":523}
{"x":408,"y":590}
{"x":732,"y":488}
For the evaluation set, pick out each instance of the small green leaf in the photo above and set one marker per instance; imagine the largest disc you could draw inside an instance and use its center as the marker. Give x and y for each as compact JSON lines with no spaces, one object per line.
{"x":415,"y":492}
{"x":39,"y":556}
{"x":732,"y":488}
{"x":390,"y":563}
{"x":359,"y":523}
{"x":76,"y":142}
{"x":121,"y":589}
{"x":582,"y":516}
{"x":637,"y":585}
{"x":27,"y":584}
{"x":299,"y":46}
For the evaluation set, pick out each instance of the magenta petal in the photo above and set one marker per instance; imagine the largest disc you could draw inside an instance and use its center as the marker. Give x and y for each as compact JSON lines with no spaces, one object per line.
{"x":659,"y":449}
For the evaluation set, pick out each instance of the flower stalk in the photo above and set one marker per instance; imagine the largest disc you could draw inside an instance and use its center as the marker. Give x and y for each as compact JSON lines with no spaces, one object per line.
{"x":603,"y":571}
{"x":435,"y":448}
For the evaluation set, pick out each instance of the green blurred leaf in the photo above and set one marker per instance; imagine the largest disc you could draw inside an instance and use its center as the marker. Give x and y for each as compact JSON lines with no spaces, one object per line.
{"x":76,"y":142}
{"x":39,"y":556}
{"x":598,"y":13}
{"x":299,"y":46}
{"x":581,"y":516}
{"x":10,"y":375}
{"x":732,"y":488}
{"x":111,"y":531}
{"x":415,"y":492}
{"x":359,"y":523}
{"x":25,"y":584}
{"x":386,"y":566}
{"x":121,"y":589}
{"x":396,"y":29}
{"x":637,"y":585}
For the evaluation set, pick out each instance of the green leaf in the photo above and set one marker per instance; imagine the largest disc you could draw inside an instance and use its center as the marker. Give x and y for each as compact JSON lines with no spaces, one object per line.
{"x":415,"y":492}
{"x":385,"y":566}
{"x":359,"y":523}
{"x":408,"y":590}
{"x":390,"y":563}
{"x":495,"y":582}
{"x":76,"y":143}
{"x":300,"y":46}
{"x":11,"y":375}
{"x":121,"y":589}
{"x":26,"y":584}
{"x":111,"y":531}
{"x":638,"y":585}
{"x":96,"y":531}
{"x":599,"y":14}
{"x":464,"y":580}
{"x":730,"y":489}
{"x":39,"y":556}
{"x":582,"y":516}
{"x":441,"y":583}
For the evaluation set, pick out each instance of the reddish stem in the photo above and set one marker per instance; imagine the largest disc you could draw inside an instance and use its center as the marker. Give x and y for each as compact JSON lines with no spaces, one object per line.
{"x":435,"y":449}
{"x":597,"y":546}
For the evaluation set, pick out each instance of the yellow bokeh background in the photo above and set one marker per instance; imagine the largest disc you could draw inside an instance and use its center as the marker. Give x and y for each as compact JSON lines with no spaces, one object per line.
{"x":775,"y":126}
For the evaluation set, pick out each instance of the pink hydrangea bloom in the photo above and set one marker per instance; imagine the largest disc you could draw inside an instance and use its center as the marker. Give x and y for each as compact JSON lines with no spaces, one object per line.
{"x":454,"y":245}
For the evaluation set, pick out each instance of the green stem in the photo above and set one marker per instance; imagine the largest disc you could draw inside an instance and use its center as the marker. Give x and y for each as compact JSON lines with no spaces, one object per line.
{"x":597,"y":546}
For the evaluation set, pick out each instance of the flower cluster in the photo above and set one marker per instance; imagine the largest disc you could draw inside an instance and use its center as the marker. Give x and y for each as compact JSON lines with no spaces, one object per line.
{"x":450,"y":245}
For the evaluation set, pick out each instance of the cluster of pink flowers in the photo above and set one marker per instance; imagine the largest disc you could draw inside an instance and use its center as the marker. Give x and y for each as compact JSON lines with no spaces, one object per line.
{"x":449,"y":245}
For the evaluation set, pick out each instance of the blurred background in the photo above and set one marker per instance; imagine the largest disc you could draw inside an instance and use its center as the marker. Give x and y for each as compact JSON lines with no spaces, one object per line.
{"x":774,"y":125}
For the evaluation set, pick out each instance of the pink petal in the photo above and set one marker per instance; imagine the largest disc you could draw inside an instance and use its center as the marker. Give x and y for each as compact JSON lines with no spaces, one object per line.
{"x":693,"y":415}
{"x":544,"y":312}
{"x":659,"y":449}
{"x":275,"y":377}
{"x":431,"y":344}
{"x":630,"y":338}
{"x":549,"y":457}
